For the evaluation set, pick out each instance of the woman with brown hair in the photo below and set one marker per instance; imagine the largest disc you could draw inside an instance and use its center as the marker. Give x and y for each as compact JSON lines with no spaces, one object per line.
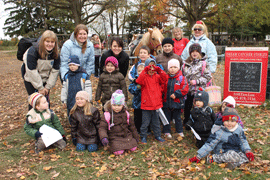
{"x":41,"y":65}
{"x":79,"y":45}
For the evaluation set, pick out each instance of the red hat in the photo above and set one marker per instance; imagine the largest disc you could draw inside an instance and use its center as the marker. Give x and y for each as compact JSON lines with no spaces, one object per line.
{"x":113,"y":60}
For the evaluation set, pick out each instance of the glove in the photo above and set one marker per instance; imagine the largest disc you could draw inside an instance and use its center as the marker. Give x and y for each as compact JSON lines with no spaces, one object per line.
{"x":250,"y":156}
{"x":193,"y":82}
{"x":147,"y":68}
{"x":105,"y":141}
{"x":38,"y":134}
{"x":194,"y":159}
{"x":74,"y":141}
{"x":157,"y":69}
{"x":64,"y":138}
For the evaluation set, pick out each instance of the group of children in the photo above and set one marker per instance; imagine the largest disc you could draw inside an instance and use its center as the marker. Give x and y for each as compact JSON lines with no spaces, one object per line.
{"x":180,"y":87}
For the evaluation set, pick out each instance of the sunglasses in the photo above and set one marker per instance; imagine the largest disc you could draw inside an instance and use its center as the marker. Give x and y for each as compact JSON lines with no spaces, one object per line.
{"x":197,"y":29}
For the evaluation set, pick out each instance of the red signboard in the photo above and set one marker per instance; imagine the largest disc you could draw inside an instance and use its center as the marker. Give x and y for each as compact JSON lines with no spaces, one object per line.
{"x":245,"y":76}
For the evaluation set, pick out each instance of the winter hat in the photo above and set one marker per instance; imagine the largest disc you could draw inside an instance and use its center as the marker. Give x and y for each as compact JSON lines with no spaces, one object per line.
{"x":140,"y":65}
{"x":118,"y":98}
{"x":230,"y":100}
{"x":32,"y":99}
{"x":149,"y":60}
{"x":84,"y":95}
{"x":167,"y":41}
{"x":74,"y":59}
{"x":113,"y":60}
{"x":173,"y":62}
{"x":203,"y":96}
{"x":230,"y":114}
{"x":194,"y":47}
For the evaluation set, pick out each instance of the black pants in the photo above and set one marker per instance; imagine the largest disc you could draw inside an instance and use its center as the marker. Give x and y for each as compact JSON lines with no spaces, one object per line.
{"x":96,"y":65}
{"x":138,"y":119}
{"x":188,"y":106}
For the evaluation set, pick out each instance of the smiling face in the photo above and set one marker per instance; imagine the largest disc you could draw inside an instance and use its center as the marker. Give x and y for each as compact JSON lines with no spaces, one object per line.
{"x":177,"y":34}
{"x":196,"y":55}
{"x":230,"y":124}
{"x":110,"y":67}
{"x":167,"y":48}
{"x":198,"y":31}
{"x":49,"y":44}
{"x":117,"y":108}
{"x":43,"y":104}
{"x":116,"y":49}
{"x":81,"y":36}
{"x":143,"y":55}
{"x":80,"y":101}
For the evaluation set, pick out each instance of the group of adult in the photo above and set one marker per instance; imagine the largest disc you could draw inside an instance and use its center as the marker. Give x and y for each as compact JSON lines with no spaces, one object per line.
{"x":42,"y":61}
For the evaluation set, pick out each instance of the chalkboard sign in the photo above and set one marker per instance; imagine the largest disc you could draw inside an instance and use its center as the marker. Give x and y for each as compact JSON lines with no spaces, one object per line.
{"x":245,"y":76}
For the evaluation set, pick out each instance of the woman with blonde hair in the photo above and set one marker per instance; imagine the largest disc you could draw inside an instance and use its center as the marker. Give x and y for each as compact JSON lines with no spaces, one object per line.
{"x":200,"y":33}
{"x":81,"y":46}
{"x":41,"y":63}
{"x":179,"y":41}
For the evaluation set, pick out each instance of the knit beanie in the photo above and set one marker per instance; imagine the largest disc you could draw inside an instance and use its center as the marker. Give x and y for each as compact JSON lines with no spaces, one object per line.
{"x":230,"y":114}
{"x":113,"y":60}
{"x":32,"y":99}
{"x":203,"y":96}
{"x":173,"y":62}
{"x":118,"y":98}
{"x":167,"y":41}
{"x":230,"y":100}
{"x":195,"y":46}
{"x":74,"y":59}
{"x":149,"y":60}
{"x":84,"y":95}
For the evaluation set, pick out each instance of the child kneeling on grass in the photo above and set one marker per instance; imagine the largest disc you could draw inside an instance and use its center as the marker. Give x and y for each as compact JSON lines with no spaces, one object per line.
{"x":229,"y":143}
{"x":84,"y":121}
{"x":117,"y":131}
{"x":41,"y":115}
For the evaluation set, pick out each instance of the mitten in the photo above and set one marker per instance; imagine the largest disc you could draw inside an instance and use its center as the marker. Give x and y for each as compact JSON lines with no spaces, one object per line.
{"x":250,"y":156}
{"x":157,"y":69}
{"x":194,"y":159}
{"x":38,"y":134}
{"x":64,"y":138}
{"x":74,"y":141}
{"x":105,"y":141}
{"x":147,"y":68}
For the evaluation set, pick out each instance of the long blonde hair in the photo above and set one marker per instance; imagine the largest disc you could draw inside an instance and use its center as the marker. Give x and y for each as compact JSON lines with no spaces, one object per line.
{"x":201,"y":25}
{"x":42,"y":50}
{"x":76,"y":31}
{"x":86,"y":109}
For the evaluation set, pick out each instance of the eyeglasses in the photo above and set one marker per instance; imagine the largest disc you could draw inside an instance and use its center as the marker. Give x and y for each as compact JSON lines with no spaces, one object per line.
{"x":197,"y":29}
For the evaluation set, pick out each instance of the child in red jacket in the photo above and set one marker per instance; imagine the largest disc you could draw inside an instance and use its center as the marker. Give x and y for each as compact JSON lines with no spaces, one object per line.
{"x":151,"y":79}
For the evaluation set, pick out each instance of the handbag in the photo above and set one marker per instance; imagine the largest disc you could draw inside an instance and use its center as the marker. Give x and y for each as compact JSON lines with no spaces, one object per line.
{"x":214,"y":93}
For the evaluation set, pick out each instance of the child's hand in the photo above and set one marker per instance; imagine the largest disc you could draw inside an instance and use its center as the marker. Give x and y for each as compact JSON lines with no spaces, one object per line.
{"x":105,"y":141}
{"x":194,"y":159}
{"x":172,"y":96}
{"x":193,"y":82}
{"x":64,"y":105}
{"x":157,"y":69}
{"x":147,"y":68}
{"x":250,"y":156}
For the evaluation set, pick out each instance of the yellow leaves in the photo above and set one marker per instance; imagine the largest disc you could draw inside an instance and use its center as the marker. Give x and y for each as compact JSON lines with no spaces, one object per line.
{"x":94,"y":154}
{"x":185,"y":152}
{"x":143,"y":153}
{"x":179,"y":138}
{"x":103,"y":168}
{"x":55,"y":175}
{"x":83,"y":166}
{"x":47,"y":168}
{"x":9,"y":170}
{"x":223,"y":165}
{"x":78,"y":160}
{"x":54,"y":157}
{"x":22,"y":177}
{"x":112,"y":155}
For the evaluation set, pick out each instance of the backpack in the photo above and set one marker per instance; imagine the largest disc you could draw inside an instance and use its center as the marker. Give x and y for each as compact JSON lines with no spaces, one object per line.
{"x":23,"y":45}
{"x":107,"y":116}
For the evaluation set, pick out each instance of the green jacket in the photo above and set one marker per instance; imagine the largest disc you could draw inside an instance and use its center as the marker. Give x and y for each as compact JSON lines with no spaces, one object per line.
{"x":53,"y":122}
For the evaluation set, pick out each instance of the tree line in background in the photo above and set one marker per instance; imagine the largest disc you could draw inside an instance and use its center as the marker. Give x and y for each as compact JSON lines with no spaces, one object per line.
{"x":240,"y":18}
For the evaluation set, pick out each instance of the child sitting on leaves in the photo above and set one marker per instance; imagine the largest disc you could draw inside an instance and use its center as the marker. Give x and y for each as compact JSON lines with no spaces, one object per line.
{"x":40,"y":115}
{"x":117,"y":130}
{"x":228,"y":143}
{"x":202,"y":117}
{"x":84,"y":121}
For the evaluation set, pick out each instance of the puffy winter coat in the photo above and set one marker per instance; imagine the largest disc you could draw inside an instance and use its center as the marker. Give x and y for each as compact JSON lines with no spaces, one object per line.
{"x":108,"y":83}
{"x":224,"y":140}
{"x":152,"y":89}
{"x":208,"y":48}
{"x":85,"y":127}
{"x":178,"y":86}
{"x":123,"y":134}
{"x":133,"y":89}
{"x":163,"y":59}
{"x":87,"y":59}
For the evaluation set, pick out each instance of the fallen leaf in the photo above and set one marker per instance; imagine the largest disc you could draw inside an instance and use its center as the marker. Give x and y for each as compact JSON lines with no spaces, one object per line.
{"x":82,"y":166}
{"x":56,"y":175}
{"x":22,"y":177}
{"x":47,"y":168}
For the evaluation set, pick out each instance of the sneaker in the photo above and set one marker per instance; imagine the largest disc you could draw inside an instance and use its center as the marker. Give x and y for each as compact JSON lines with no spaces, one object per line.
{"x":143,"y":140}
{"x":209,"y":159}
{"x":168,"y":135}
{"x":181,"y":134}
{"x":160,"y":139}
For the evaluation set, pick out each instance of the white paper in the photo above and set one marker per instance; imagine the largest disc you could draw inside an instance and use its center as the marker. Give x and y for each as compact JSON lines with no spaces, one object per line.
{"x":194,"y":132}
{"x":49,"y":135}
{"x":162,"y":117}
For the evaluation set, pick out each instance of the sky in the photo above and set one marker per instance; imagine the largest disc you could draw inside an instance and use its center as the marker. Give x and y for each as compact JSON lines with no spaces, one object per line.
{"x":3,"y":17}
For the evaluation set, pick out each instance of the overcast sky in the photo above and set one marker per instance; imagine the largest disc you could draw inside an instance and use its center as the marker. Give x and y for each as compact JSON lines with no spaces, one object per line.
{"x":3,"y":17}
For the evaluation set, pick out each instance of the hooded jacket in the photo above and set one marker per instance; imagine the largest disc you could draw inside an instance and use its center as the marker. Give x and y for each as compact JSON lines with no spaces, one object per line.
{"x":207,"y":47}
{"x":163,"y":59}
{"x":71,"y":47}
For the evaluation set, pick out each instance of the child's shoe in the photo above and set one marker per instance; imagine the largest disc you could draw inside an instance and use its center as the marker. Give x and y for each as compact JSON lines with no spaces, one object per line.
{"x":168,"y":135}
{"x":143,"y":140}
{"x":181,"y":134}
{"x":209,"y":159}
{"x":160,"y":139}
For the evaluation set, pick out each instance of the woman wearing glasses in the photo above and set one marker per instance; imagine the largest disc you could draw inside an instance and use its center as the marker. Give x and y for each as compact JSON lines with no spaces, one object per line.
{"x":200,"y":33}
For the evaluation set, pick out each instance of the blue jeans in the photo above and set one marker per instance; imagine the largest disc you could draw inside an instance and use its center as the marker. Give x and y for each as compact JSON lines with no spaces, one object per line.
{"x":150,"y":116}
{"x":176,"y":115}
